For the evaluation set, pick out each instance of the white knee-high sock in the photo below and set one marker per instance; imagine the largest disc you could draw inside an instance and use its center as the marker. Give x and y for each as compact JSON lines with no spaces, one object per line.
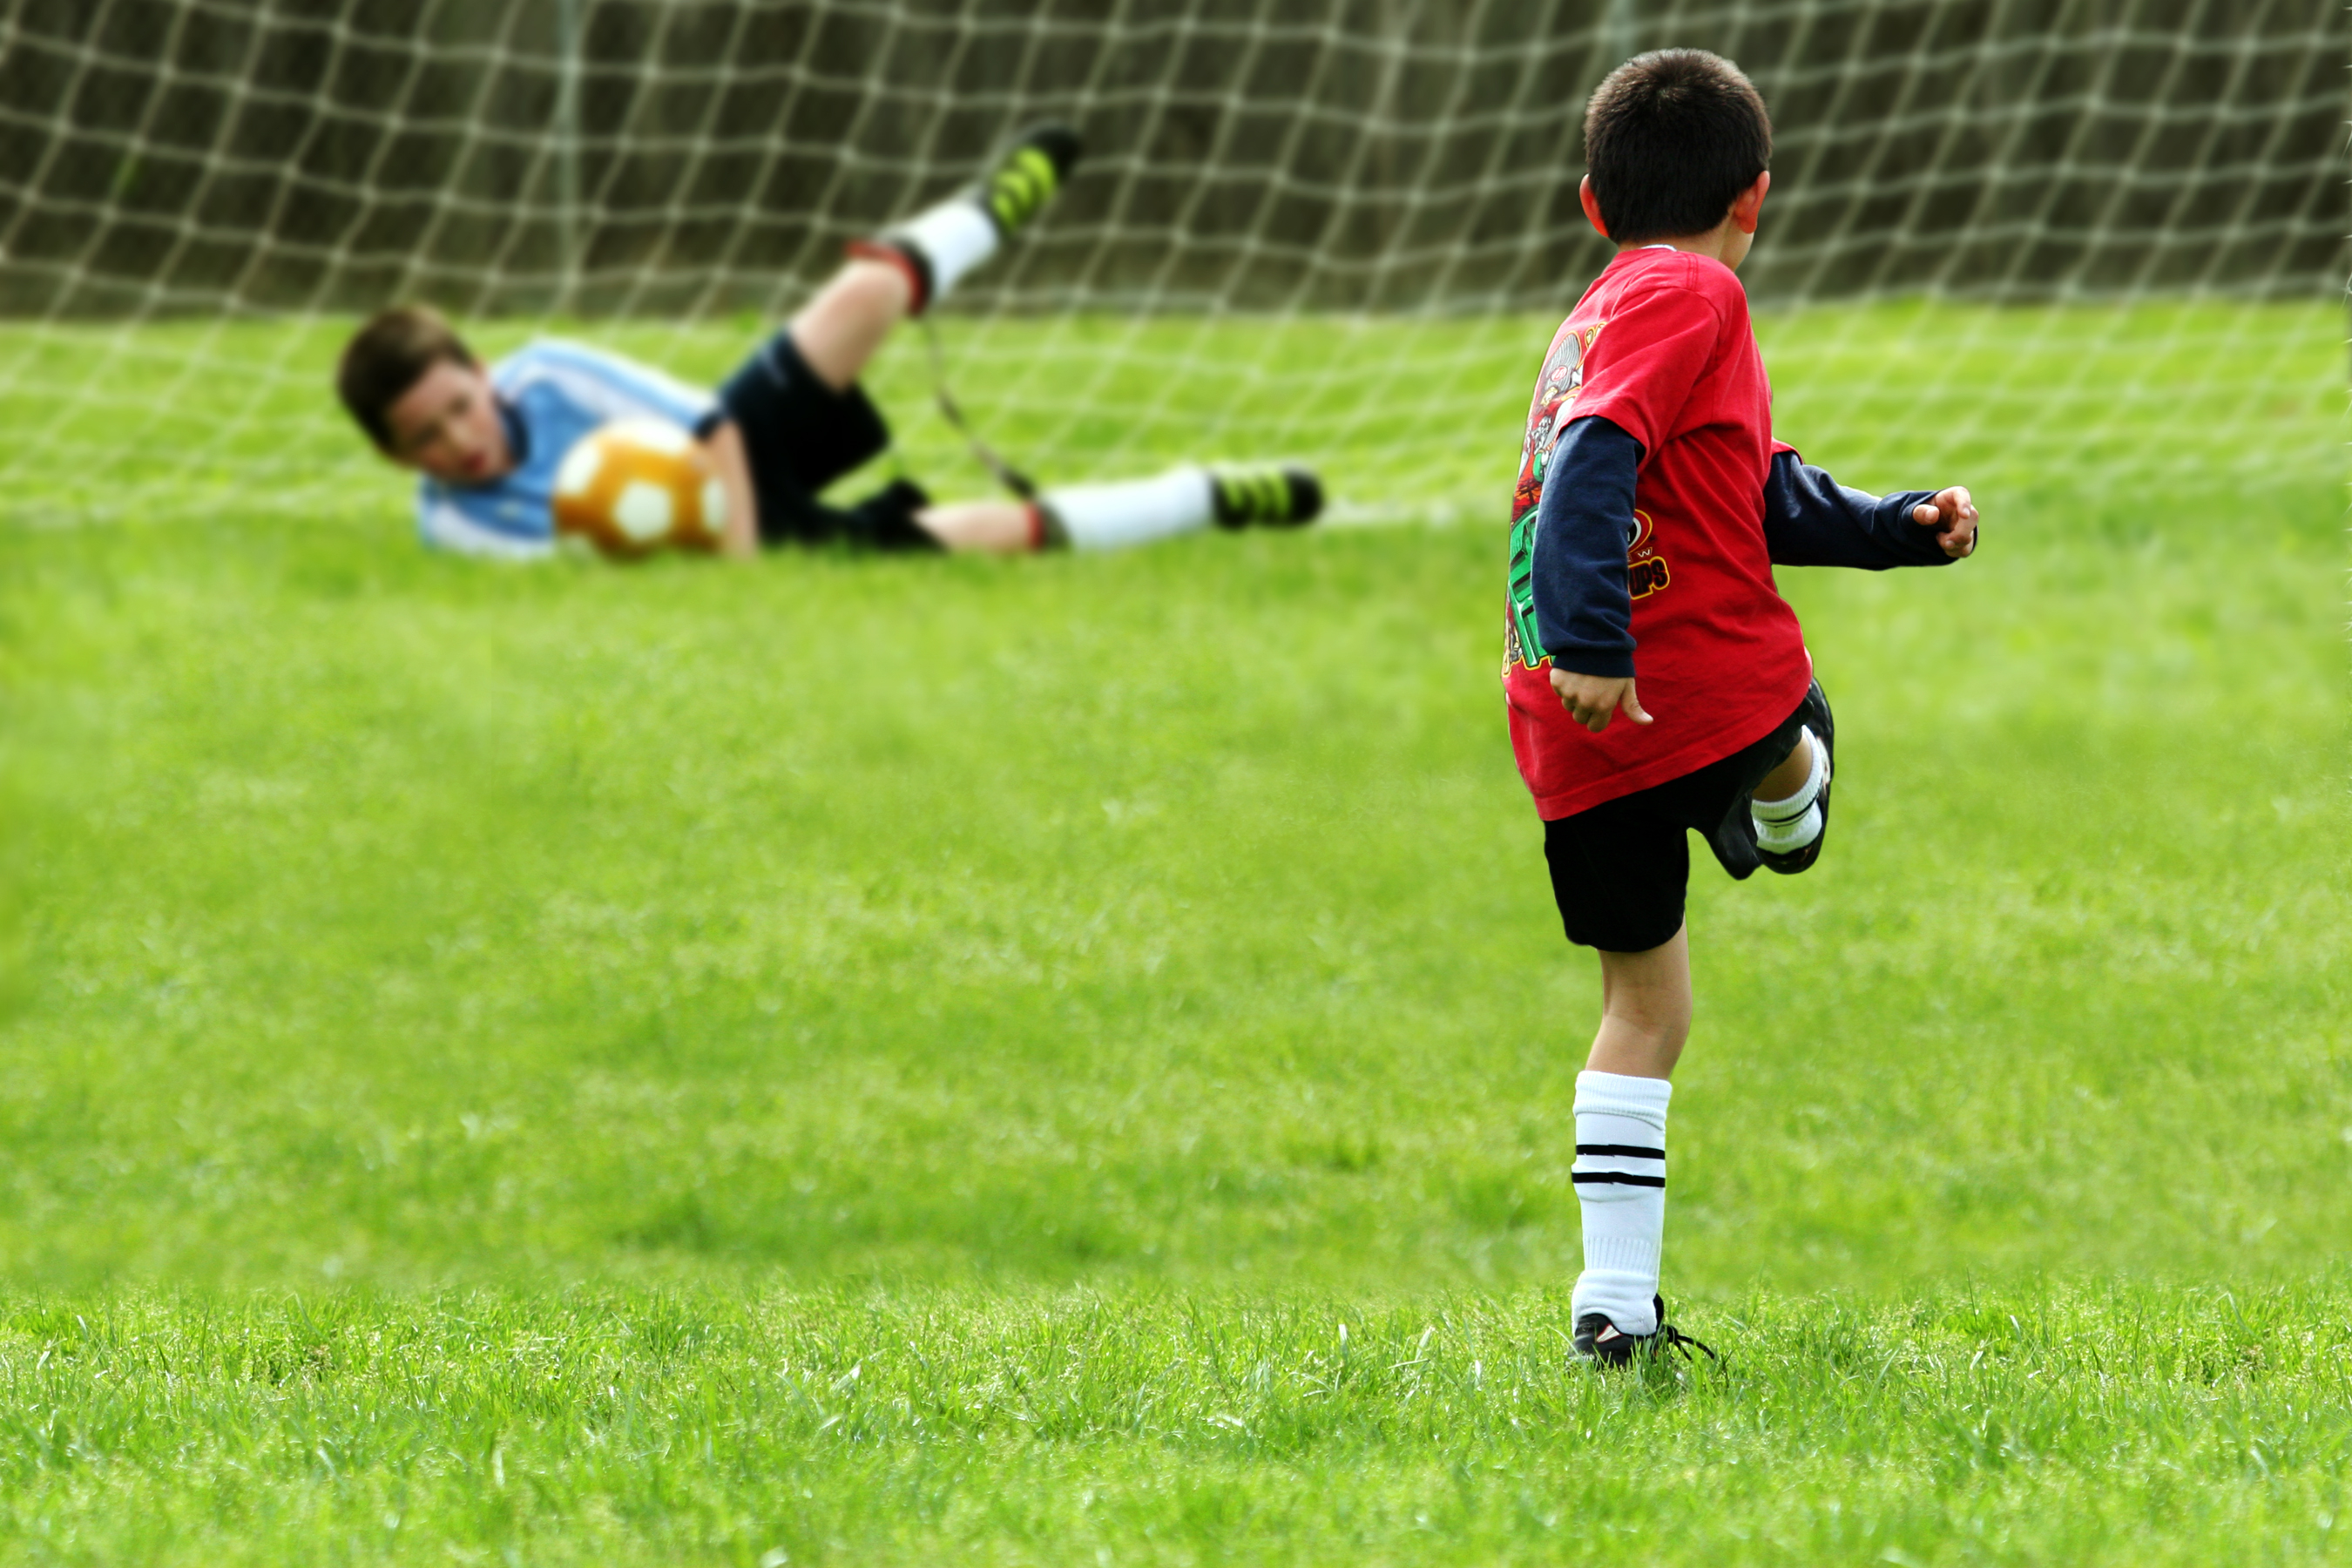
{"x":954,"y":237}
{"x":1621,"y":1186}
{"x":1782,"y":826}
{"x":1133,"y":512}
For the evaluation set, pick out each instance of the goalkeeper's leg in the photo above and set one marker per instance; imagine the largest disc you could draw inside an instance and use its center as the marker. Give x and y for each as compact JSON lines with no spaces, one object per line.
{"x":940,"y":244}
{"x":1133,"y":512}
{"x":838,"y":331}
{"x":901,"y":271}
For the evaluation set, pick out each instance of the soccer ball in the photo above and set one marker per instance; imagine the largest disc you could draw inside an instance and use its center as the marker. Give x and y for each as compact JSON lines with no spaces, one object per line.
{"x":636,"y":486}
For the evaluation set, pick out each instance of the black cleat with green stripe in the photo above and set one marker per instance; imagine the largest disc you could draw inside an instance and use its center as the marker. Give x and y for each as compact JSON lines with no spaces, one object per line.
{"x":1027,"y":175}
{"x":1267,"y":497}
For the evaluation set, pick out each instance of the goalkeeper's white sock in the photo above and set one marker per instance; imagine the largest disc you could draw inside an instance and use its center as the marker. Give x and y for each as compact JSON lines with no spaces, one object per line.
{"x":1783,"y":825}
{"x":1134,"y":512}
{"x":946,"y":241}
{"x":1621,"y":1188}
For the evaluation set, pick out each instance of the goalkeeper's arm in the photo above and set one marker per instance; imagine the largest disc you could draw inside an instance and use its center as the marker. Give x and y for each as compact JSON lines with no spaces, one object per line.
{"x":723,"y":441}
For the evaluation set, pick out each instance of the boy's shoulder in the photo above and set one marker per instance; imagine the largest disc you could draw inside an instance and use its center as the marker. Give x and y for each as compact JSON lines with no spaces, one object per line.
{"x":545,"y":356}
{"x":595,"y":383}
{"x":1666,"y":275}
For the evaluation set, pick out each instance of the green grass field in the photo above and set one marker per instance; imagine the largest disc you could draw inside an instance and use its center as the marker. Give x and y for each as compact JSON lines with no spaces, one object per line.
{"x":1068,"y":1060}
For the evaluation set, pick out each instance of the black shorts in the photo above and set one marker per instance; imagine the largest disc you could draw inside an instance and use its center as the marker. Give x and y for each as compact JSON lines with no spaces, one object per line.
{"x":1621,"y":871}
{"x":799,"y":436}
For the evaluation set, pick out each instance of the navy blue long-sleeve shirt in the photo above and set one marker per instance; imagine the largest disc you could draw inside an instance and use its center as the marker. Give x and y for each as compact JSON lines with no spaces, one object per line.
{"x":1584,"y":524}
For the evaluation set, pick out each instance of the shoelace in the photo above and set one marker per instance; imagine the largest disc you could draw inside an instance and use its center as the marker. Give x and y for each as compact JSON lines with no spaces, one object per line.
{"x":1671,"y":1335}
{"x":1022,"y":486}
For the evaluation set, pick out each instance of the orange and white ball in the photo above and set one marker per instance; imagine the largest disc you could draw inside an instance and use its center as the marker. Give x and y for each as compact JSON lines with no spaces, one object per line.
{"x":636,"y":486}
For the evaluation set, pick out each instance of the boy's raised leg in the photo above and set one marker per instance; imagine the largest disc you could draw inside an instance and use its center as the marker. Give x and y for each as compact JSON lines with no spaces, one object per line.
{"x":901,"y":271}
{"x":839,"y":330}
{"x":936,"y":246}
{"x":1790,"y":808}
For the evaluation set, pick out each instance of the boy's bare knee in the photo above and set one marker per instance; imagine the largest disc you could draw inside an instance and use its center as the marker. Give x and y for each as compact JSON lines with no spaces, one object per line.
{"x":1645,"y":1009}
{"x":864,"y":294}
{"x":1663,"y":1021}
{"x":838,"y":331}
{"x":1790,"y":775}
{"x":1637,"y":1048}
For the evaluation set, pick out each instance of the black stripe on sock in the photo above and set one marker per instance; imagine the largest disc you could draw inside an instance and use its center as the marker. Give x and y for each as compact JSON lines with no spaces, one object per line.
{"x":1622,"y":1151}
{"x":1615,"y":1179}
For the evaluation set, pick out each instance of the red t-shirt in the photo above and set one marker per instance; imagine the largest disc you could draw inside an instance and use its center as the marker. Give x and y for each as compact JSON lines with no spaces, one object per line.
{"x":1661,"y":347}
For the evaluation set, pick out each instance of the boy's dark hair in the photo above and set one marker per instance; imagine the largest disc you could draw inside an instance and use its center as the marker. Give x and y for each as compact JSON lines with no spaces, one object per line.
{"x":1670,"y":139}
{"x":387,"y":357}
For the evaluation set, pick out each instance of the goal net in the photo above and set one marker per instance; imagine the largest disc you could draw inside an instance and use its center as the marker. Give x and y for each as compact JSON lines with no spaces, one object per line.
{"x":2026,"y":242}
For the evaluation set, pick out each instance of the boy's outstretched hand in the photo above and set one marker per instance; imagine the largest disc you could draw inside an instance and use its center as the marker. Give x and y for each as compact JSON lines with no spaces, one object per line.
{"x":1953,"y":516}
{"x":1592,"y":700}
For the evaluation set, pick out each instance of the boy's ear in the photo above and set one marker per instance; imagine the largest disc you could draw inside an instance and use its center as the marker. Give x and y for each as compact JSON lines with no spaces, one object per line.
{"x":1591,"y":205}
{"x":387,"y":446}
{"x":1748,"y":204}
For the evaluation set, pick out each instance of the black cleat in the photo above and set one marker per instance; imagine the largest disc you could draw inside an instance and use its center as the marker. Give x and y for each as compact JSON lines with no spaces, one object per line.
{"x":1818,"y":720}
{"x":1027,"y":175}
{"x":1601,"y":1341}
{"x":1269,"y":497}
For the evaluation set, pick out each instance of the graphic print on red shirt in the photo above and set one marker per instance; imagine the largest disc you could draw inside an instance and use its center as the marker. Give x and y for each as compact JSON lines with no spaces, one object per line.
{"x":1661,"y":346}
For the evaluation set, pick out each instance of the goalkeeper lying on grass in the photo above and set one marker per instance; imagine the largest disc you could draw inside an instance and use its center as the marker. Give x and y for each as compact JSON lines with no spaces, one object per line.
{"x":1652,"y":506}
{"x":486,"y":441}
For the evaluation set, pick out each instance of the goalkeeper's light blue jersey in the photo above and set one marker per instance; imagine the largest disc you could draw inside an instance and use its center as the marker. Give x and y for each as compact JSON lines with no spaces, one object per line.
{"x":551,"y":394}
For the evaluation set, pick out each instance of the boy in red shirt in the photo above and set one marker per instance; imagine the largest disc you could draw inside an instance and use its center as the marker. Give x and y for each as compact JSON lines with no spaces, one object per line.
{"x":1651,"y":508}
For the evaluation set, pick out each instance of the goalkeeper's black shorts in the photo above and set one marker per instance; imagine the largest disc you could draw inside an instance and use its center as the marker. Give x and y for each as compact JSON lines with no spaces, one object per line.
{"x":1621,"y":871}
{"x":799,"y":436}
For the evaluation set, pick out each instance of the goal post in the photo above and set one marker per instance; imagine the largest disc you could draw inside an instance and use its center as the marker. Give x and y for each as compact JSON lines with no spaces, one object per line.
{"x":1334,"y":229}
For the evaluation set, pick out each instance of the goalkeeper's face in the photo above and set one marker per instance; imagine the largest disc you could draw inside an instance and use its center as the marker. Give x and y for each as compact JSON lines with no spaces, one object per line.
{"x":447,"y":425}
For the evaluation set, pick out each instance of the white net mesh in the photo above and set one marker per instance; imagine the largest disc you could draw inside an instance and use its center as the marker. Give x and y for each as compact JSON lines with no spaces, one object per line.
{"x":2049,"y":242}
